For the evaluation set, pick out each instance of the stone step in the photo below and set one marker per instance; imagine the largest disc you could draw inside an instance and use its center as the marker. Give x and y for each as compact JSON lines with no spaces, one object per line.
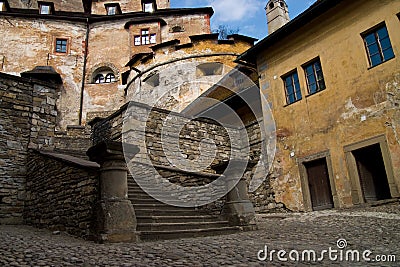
{"x":158,"y":221}
{"x":177,"y":219}
{"x":137,"y":199}
{"x":160,"y":207}
{"x":163,"y":235}
{"x":143,"y":200}
{"x":166,"y":212}
{"x":175,"y":226}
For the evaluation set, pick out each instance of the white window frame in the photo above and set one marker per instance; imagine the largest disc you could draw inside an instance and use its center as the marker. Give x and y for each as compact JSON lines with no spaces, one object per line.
{"x":148,"y":7}
{"x":45,"y":9}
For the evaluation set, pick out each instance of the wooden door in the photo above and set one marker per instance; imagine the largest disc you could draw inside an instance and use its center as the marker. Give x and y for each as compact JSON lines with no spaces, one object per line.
{"x":319,"y":184}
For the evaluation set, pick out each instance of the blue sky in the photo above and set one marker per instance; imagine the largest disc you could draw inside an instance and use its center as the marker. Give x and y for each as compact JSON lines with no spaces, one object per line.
{"x":247,"y":15}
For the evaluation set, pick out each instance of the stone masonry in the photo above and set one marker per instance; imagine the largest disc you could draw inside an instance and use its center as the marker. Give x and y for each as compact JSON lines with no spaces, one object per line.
{"x":28,"y":119}
{"x":61,"y":193}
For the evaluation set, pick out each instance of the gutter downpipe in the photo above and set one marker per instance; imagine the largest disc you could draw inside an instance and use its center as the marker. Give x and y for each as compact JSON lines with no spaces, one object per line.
{"x":84,"y":72}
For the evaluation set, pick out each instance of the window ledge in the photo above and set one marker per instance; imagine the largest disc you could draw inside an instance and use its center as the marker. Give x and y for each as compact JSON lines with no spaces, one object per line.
{"x":317,"y":92}
{"x":292,"y":103}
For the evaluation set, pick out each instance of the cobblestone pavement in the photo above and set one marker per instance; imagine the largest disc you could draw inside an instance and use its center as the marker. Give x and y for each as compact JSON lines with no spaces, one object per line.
{"x":372,"y":228}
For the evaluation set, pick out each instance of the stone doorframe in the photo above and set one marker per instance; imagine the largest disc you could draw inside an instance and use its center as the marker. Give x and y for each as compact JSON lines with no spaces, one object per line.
{"x":304,"y":179}
{"x":356,"y":190}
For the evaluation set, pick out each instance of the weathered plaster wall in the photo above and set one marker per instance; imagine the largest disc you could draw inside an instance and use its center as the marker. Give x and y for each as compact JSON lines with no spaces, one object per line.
{"x":70,"y":5}
{"x":60,"y":194}
{"x":180,"y":82}
{"x":191,"y":25}
{"x":28,"y":119}
{"x":126,"y":5}
{"x":332,"y":119}
{"x":110,"y":45}
{"x":103,"y":51}
{"x":33,"y":44}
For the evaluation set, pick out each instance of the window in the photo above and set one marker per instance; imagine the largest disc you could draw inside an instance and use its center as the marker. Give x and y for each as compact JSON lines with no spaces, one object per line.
{"x":110,"y":78}
{"x":379,"y":48}
{"x":137,"y":40}
{"x":177,"y":28}
{"x":292,"y":87}
{"x":104,"y":75}
{"x":314,"y":77}
{"x":113,"y":9}
{"x":145,"y":38}
{"x":45,"y":8}
{"x":153,"y":79}
{"x":148,"y":5}
{"x":61,"y":45}
{"x":3,"y":6}
{"x":153,"y":38}
{"x":99,"y":78}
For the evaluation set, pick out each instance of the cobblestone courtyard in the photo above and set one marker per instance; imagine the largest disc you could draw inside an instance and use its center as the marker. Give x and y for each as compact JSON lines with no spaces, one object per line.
{"x":373,"y":228}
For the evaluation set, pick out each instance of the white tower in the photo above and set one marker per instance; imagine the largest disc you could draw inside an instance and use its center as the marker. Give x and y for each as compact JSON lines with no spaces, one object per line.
{"x":277,"y":14}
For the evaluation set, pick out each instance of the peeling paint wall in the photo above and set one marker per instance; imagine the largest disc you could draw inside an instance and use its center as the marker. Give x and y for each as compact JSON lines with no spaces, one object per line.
{"x":179,"y":81}
{"x":190,"y":25}
{"x":33,"y":44}
{"x":358,"y":103}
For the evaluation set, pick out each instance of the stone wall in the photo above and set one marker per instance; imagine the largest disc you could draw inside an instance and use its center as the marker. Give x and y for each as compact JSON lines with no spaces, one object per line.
{"x":194,"y":146}
{"x":61,"y":192}
{"x":74,"y":141}
{"x":190,"y":136}
{"x":28,"y":119}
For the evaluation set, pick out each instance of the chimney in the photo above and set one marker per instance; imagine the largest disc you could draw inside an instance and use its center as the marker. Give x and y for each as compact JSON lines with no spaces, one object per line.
{"x":277,"y":14}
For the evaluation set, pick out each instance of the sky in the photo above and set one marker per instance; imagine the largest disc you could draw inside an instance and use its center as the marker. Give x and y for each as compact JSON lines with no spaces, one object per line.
{"x":246,"y":15}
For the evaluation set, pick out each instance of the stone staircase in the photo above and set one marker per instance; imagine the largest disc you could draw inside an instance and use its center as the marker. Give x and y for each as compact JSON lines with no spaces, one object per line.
{"x":158,"y":221}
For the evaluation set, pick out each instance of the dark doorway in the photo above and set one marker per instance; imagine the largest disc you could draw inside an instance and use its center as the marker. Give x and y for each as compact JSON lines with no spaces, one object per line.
{"x":319,"y":184}
{"x":372,"y":173}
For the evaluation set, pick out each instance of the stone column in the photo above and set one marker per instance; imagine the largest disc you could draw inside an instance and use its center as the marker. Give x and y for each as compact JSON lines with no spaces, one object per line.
{"x":116,"y":220}
{"x":238,"y":207}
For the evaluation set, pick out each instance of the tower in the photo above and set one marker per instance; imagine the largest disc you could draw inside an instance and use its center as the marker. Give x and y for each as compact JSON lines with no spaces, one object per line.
{"x":277,"y":14}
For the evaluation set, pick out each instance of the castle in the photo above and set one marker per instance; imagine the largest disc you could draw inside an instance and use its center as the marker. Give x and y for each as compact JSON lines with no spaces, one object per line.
{"x":70,"y":70}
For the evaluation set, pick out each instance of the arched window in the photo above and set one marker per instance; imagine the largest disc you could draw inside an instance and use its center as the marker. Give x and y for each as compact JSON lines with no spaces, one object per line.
{"x":104,"y":75}
{"x":271,"y":5}
{"x":110,"y":78}
{"x":99,"y":78}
